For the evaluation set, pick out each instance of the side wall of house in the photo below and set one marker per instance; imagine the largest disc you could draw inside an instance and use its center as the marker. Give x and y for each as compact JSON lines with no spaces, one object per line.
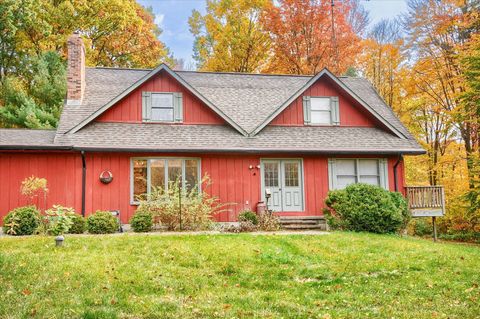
{"x":235,"y":180}
{"x":129,"y":109}
{"x":63,"y":172}
{"x":351,"y":112}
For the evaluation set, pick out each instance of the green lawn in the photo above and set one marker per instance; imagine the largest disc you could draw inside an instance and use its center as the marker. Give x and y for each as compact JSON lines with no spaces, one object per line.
{"x":341,"y":275}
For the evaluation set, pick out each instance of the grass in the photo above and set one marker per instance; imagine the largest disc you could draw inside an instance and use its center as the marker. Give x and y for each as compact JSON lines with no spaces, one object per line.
{"x":341,"y":275}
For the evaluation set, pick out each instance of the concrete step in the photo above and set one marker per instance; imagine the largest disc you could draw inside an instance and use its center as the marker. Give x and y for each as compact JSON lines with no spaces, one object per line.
{"x":299,"y":221}
{"x":302,"y":217}
{"x":303,"y":222}
{"x":304,"y":227}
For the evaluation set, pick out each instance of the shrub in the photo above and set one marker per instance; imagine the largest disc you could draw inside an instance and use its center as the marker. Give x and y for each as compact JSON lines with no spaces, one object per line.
{"x":268,"y":222}
{"x":141,"y":222}
{"x":59,"y":219}
{"x":248,"y":215}
{"x":21,"y":221}
{"x":78,"y":225}
{"x":363,"y":207}
{"x":102,"y":223}
{"x":196,"y":210}
{"x":420,"y":227}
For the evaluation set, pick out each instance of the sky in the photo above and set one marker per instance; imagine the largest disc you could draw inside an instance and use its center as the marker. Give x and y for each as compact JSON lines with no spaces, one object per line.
{"x":172,"y":17}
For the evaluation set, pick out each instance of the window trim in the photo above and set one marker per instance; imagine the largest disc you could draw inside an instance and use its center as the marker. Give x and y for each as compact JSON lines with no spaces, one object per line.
{"x":334,"y":110}
{"x":148,"y":158}
{"x":382,"y":170}
{"x":177,"y":114}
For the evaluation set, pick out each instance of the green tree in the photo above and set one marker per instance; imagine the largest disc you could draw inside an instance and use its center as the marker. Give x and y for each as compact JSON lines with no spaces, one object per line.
{"x":35,"y":99}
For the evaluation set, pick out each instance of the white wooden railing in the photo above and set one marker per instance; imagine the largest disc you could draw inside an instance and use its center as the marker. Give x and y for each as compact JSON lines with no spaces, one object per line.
{"x":426,"y":200}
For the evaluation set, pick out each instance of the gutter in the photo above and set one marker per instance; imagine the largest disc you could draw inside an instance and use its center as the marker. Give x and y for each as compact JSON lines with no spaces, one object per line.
{"x":253,"y":150}
{"x":395,"y":173}
{"x":84,"y":177}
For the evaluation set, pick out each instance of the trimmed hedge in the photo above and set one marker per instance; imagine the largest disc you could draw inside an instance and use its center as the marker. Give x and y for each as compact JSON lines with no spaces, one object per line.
{"x":22,"y":221}
{"x":363,"y":207}
{"x":102,"y":223}
{"x":141,"y":222}
{"x":78,"y":226}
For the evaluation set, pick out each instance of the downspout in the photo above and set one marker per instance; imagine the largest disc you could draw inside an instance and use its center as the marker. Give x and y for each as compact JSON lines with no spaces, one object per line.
{"x":395,"y":174}
{"x":84,"y":177}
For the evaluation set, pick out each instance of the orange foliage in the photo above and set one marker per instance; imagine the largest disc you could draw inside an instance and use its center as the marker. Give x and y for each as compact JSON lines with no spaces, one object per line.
{"x":303,"y":39}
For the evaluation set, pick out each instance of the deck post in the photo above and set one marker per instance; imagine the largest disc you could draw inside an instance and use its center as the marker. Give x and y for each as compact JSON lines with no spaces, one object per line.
{"x":434,"y":222}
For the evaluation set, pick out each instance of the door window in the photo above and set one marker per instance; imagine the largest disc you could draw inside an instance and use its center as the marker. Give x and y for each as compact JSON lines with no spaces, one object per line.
{"x":271,"y":174}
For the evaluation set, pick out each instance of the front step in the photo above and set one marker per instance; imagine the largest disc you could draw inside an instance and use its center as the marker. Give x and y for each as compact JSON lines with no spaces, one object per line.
{"x":303,"y":222}
{"x":303,"y":227}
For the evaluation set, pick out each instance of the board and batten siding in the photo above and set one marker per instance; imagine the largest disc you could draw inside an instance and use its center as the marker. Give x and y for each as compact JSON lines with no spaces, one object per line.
{"x":129,"y":109}
{"x":63,"y":172}
{"x":351,"y":112}
{"x":232,"y":180}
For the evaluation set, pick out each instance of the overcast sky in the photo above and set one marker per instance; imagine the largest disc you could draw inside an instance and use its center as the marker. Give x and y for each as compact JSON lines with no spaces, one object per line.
{"x":172,"y":17}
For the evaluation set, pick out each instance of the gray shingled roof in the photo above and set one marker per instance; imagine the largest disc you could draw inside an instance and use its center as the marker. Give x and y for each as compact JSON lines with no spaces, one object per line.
{"x":246,"y":99}
{"x":27,"y":138}
{"x":218,"y":138}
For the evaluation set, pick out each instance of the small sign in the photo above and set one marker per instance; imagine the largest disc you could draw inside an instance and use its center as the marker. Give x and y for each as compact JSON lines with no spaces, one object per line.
{"x":427,"y":212}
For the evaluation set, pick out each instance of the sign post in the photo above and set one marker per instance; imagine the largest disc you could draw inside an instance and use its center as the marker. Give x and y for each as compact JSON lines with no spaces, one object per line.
{"x":427,"y":201}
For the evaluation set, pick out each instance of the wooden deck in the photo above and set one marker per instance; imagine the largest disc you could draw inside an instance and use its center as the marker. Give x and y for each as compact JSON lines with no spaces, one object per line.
{"x":426,"y":201}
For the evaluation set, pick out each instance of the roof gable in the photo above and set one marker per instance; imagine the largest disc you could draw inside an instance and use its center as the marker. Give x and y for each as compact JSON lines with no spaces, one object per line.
{"x":326,"y":73}
{"x":144,"y":79}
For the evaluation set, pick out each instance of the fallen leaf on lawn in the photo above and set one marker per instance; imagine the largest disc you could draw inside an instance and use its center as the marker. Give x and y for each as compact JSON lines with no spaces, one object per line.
{"x":26,"y":292}
{"x":226,"y":306}
{"x":469,"y":289}
{"x":113,"y":301}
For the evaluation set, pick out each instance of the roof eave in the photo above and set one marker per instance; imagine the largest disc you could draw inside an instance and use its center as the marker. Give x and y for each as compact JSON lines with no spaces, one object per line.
{"x":253,"y":150}
{"x":34,"y":147}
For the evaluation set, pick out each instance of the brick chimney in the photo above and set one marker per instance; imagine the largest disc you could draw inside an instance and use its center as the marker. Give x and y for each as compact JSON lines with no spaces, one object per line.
{"x":75,"y":69}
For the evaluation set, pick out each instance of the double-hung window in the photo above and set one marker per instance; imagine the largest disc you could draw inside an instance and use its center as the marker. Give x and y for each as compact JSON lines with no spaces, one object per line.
{"x":150,"y":173}
{"x":162,"y":107}
{"x":346,"y":171}
{"x":321,"y":110}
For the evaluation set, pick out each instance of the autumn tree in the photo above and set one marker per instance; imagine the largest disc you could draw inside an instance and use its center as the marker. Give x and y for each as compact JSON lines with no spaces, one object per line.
{"x":229,"y":36}
{"x":304,"y":41}
{"x":437,"y":71}
{"x":381,"y":60}
{"x":33,"y":35}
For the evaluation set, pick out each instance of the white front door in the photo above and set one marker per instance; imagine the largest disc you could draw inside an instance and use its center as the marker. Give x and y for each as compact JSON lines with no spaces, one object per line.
{"x":283,"y":180}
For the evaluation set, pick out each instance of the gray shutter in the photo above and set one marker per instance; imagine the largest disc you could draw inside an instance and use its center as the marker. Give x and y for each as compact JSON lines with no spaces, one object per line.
{"x":332,"y":174}
{"x":178,"y":107}
{"x":335,"y":112}
{"x":146,"y":106}
{"x":383,"y":168}
{"x":306,"y":110}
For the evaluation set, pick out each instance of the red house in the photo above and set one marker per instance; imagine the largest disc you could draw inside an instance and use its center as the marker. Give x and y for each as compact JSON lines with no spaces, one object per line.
{"x":297,"y":136}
